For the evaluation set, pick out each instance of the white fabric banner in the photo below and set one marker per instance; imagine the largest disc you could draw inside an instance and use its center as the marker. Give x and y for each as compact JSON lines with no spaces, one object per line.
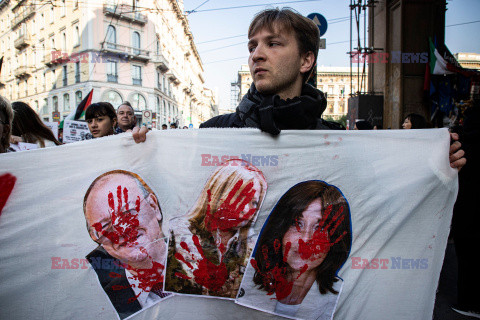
{"x":383,"y":210}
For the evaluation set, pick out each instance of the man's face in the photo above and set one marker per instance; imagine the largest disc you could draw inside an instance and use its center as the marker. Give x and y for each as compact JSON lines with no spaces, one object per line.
{"x":126,"y":117}
{"x":275,"y":62}
{"x":124,"y":222}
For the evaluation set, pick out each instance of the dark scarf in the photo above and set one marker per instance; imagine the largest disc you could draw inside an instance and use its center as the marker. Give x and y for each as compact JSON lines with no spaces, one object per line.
{"x":272,"y":114}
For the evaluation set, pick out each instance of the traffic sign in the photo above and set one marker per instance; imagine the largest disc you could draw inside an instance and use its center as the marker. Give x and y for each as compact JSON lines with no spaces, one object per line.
{"x":190,"y":126}
{"x":320,"y":21}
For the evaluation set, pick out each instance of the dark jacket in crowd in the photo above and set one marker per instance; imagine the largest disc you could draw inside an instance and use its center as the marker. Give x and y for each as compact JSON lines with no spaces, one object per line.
{"x":272,"y":114}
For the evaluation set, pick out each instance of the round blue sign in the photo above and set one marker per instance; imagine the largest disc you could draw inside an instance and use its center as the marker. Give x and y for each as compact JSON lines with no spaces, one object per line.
{"x":320,"y":21}
{"x":190,"y":125}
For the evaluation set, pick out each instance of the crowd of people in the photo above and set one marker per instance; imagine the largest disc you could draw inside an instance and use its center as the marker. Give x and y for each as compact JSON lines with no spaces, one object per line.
{"x":21,"y":124}
{"x":283,"y":48}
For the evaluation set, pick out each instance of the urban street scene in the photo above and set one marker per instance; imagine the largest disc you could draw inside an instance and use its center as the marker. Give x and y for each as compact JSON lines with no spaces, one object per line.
{"x":183,"y":159}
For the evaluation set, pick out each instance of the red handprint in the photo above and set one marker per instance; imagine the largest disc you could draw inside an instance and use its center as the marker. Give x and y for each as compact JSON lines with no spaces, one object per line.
{"x":229,"y":213}
{"x":7,"y":182}
{"x":276,"y":279}
{"x":321,"y":241}
{"x":207,"y":274}
{"x":124,"y":222}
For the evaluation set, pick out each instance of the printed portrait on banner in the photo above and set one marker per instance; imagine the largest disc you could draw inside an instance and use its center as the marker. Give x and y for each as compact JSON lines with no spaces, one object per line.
{"x":304,"y":242}
{"x":209,"y":247}
{"x":124,"y":218}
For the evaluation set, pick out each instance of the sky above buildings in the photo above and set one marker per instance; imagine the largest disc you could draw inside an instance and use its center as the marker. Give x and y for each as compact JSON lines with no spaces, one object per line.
{"x":220,"y":33}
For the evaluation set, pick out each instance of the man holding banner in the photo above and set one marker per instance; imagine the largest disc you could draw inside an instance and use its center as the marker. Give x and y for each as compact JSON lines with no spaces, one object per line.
{"x":283,"y":48}
{"x":124,"y":217}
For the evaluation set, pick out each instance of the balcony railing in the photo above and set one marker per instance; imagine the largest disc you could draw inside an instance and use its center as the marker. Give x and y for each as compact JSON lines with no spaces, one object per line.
{"x":160,"y":62}
{"x":173,"y":75}
{"x":113,"y":78}
{"x":22,"y":41}
{"x":4,"y":3}
{"x":137,"y":82}
{"x":125,"y":12}
{"x":23,"y":15}
{"x":133,"y":53}
{"x":22,"y":72}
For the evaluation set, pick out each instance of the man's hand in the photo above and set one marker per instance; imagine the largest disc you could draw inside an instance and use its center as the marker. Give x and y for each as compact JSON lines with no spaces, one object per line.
{"x":139,"y":134}
{"x":457,"y":155}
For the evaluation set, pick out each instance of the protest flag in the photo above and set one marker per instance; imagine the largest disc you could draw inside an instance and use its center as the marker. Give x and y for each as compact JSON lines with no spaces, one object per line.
{"x":81,"y":108}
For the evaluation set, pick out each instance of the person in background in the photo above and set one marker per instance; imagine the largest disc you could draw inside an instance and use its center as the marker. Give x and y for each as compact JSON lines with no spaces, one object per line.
{"x":414,"y":121}
{"x":101,"y":119}
{"x":363,"y":125}
{"x":28,"y":127}
{"x":164,"y":126}
{"x":173,"y":125}
{"x":125,"y":117}
{"x":185,"y":127}
{"x":6,"y":117}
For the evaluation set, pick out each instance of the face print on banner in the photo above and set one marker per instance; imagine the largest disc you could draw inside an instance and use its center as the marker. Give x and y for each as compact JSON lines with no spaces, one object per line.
{"x":210,"y":246}
{"x":124,"y":217}
{"x":303,"y":244}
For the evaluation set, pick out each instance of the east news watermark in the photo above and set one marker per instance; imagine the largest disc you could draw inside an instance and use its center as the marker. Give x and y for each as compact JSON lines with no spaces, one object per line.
{"x":394,"y":263}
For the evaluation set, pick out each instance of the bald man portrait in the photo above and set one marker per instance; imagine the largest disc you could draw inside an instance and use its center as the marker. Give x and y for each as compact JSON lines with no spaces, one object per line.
{"x":125,"y":219}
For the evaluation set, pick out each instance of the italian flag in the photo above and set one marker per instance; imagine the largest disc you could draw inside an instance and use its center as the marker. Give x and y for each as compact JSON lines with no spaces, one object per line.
{"x":438,"y":65}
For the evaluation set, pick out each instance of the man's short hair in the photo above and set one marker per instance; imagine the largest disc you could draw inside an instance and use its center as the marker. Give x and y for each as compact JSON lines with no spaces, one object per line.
{"x":306,"y":31}
{"x":126,"y":103}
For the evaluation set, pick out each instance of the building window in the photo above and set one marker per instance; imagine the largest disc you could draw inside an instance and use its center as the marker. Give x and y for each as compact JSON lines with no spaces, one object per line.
{"x":136,"y":42}
{"x":66,"y":102}
{"x":26,"y":87}
{"x":65,"y":76}
{"x":75,"y":4}
{"x":137,"y":75}
{"x":112,"y":75}
{"x":113,"y":97}
{"x":138,"y":102}
{"x":330,"y":90}
{"x":54,"y":80}
{"x":77,"y":36}
{"x":52,"y":15}
{"x":159,"y":84}
{"x":55,"y":103}
{"x":36,"y":106}
{"x":111,"y":37}
{"x":64,"y":42}
{"x":78,"y":97}
{"x":77,"y":72}
{"x":45,"y":106}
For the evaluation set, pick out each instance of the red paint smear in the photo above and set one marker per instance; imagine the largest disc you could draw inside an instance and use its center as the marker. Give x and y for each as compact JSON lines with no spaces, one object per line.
{"x":207,"y":274}
{"x":228,"y":214}
{"x":7,"y":182}
{"x":275,"y":279}
{"x":181,"y":258}
{"x":288,"y":245}
{"x":125,"y":196}
{"x":320,"y":243}
{"x":120,"y":287}
{"x":124,"y":223}
{"x":119,"y":198}
{"x":148,"y":278}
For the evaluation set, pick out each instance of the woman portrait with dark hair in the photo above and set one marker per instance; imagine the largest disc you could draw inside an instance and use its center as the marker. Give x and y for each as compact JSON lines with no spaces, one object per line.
{"x":414,"y":121}
{"x":101,"y":119}
{"x":27,"y":127}
{"x":209,"y":248}
{"x":304,"y":242}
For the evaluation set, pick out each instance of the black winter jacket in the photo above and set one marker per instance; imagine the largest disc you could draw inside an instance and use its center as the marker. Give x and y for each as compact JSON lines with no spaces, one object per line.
{"x":271,"y":114}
